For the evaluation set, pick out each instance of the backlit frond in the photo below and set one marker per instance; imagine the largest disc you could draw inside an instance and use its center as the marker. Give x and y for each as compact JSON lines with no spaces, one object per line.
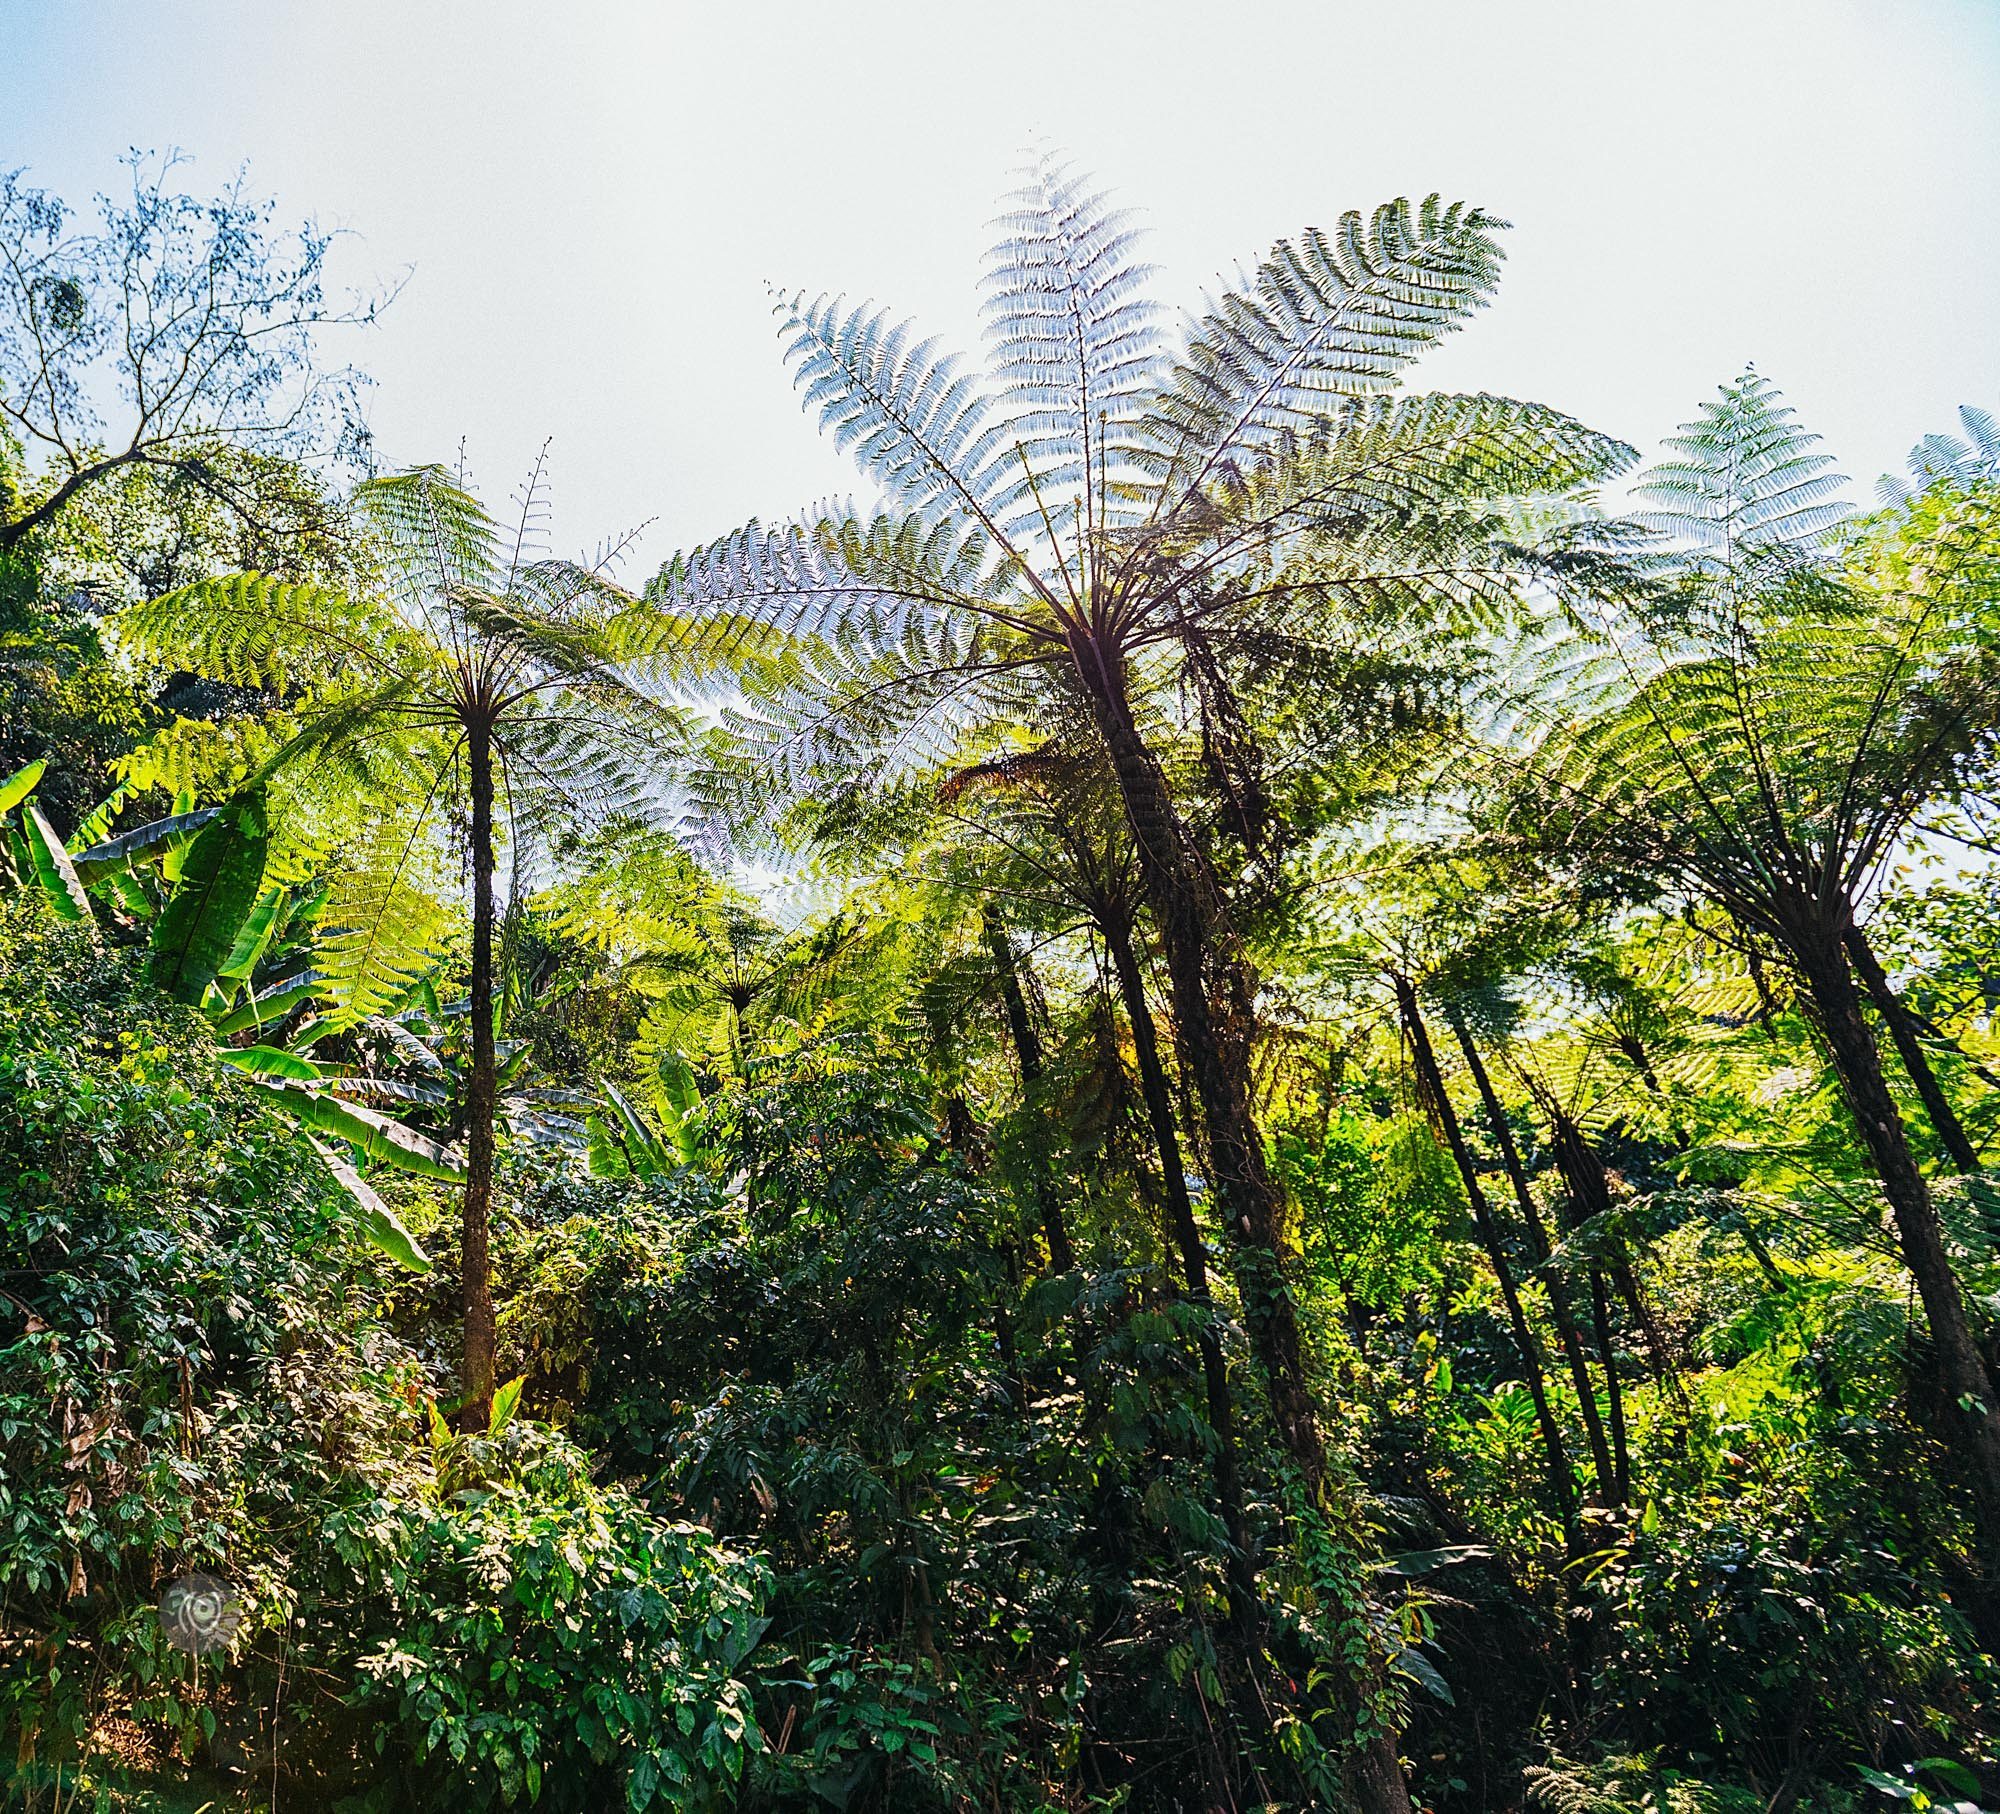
{"x":926,"y":432}
{"x":384,"y":925}
{"x":436,"y":535}
{"x":1073,"y":341}
{"x":1326,"y":315}
{"x":1945,"y":459}
{"x":252,"y":630}
{"x":1743,"y":478}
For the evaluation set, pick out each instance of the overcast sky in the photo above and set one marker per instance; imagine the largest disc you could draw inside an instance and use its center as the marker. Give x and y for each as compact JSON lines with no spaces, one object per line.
{"x":592,"y":197}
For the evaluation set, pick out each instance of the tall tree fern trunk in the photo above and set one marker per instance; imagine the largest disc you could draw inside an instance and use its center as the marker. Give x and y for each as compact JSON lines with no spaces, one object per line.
{"x":1194,"y":1261}
{"x":1028,"y":1056}
{"x":1909,"y":1047}
{"x":1215,"y":1034}
{"x":480,"y":1336}
{"x":1970,"y":1411}
{"x":1588,"y":1192}
{"x":1195,"y":941}
{"x":1568,"y":1335}
{"x":1525,"y":1344}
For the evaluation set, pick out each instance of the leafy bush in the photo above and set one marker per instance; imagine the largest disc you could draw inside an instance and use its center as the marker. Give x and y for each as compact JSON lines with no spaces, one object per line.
{"x":196,"y":1377}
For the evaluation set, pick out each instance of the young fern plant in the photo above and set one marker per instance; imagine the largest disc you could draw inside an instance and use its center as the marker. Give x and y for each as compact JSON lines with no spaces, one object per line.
{"x":476,"y":692}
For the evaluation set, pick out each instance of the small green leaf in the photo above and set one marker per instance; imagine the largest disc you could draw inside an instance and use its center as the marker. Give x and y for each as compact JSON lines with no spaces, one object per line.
{"x":1419,"y":1669}
{"x":20,"y":784}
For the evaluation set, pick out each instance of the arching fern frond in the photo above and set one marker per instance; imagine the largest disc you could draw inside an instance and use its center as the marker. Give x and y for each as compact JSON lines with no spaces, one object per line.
{"x":1073,"y":338}
{"x":252,"y":630}
{"x":1326,"y":315}
{"x":383,"y":926}
{"x":926,"y":432}
{"x":437,"y":535}
{"x":1945,"y":459}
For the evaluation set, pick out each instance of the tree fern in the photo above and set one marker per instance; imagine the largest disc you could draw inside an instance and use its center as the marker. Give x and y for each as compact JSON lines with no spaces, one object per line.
{"x":1743,"y":477}
{"x":1136,"y":518}
{"x":479,"y":672}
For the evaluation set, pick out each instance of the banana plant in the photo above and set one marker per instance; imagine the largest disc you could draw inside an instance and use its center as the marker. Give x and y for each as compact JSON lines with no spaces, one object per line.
{"x":623,"y":1144}
{"x":195,"y":880}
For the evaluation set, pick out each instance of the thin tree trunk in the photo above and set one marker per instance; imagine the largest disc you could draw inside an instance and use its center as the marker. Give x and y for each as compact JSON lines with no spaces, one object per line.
{"x":1196,"y":943}
{"x":1194,"y":940}
{"x":1489,"y":1236}
{"x":1961,"y":1375}
{"x":1567,"y":1333}
{"x":1903,"y":1030}
{"x":1614,"y":1390}
{"x":1659,"y":1355}
{"x":481,"y":1339}
{"x":1028,"y":1056}
{"x":1158,"y":1098}
{"x":1589,"y":1195}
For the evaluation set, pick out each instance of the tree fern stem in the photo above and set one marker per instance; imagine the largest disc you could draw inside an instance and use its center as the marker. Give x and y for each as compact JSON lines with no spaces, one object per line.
{"x":1216,"y":1051}
{"x":1432,"y":1078}
{"x":1614,"y":1390}
{"x":1589,"y":1194}
{"x":477,"y":1265}
{"x":1197,"y":944}
{"x":1567,"y":1334}
{"x":1194,"y":1260}
{"x":1971,"y":1412}
{"x":1028,"y":1056}
{"x":1903,"y":1030}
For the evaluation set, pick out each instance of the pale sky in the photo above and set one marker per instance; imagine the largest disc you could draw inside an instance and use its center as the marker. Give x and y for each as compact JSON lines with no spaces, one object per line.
{"x":592,"y":196}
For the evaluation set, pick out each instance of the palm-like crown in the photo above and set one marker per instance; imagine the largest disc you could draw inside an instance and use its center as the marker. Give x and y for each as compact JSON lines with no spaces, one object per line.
{"x":1109,"y":486}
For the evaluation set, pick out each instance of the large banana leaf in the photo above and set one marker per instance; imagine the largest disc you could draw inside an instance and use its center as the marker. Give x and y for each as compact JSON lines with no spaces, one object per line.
{"x":272,"y":1006}
{"x":254,"y":939}
{"x":222,"y":874}
{"x":377,"y":1221}
{"x":19,"y":785}
{"x":53,"y":869}
{"x":377,"y":1137}
{"x":143,"y":843}
{"x":648,"y":1159}
{"x":271,"y":1061}
{"x":95,"y":825}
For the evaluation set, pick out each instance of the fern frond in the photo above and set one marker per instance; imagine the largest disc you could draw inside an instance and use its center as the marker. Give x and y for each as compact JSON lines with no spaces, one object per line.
{"x":252,"y":630}
{"x":1744,"y":478}
{"x":384,"y":925}
{"x":1947,"y":460}
{"x":1327,"y":315}
{"x":923,"y":430}
{"x":1073,"y":340}
{"x":435,"y":535}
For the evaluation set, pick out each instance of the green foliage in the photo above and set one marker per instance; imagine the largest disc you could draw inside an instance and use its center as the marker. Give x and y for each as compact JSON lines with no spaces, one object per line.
{"x":196,"y":1377}
{"x":606,"y":1669}
{"x":913,"y":1396}
{"x":222,"y":876}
